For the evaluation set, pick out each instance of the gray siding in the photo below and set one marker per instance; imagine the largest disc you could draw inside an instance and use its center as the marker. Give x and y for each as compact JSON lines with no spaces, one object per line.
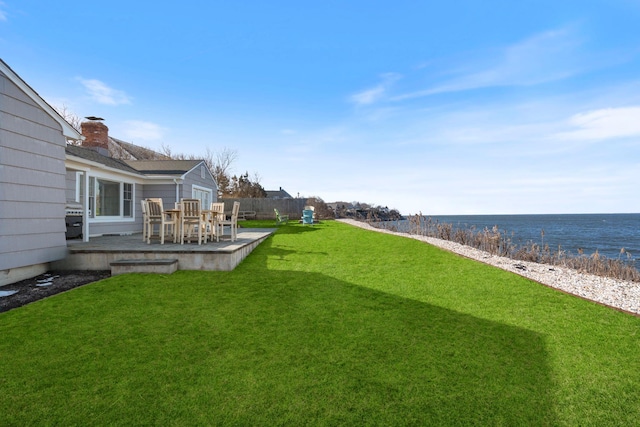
{"x":32,"y":181}
{"x":70,"y":179}
{"x":194,"y":178}
{"x":166,"y":192}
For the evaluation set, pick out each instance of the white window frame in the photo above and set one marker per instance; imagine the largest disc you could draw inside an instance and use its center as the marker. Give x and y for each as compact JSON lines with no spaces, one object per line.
{"x":93,"y":190}
{"x":79,"y":187}
{"x":123,"y":199}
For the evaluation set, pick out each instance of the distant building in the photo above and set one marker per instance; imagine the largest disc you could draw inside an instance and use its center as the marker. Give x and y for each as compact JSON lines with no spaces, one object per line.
{"x":278,"y":194}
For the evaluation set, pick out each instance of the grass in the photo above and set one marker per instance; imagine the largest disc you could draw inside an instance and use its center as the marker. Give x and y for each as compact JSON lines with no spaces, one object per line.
{"x":498,"y":242}
{"x":322,"y":325}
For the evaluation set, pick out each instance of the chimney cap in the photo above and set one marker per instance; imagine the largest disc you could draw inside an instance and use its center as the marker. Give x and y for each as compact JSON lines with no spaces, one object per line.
{"x":93,"y":118}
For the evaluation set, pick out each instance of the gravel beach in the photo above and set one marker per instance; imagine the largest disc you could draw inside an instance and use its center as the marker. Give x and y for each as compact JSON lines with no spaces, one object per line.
{"x":611,"y":292}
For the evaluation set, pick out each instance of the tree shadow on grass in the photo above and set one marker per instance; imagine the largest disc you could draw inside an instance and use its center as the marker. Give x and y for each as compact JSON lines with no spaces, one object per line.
{"x":356,"y":355}
{"x":296,"y":228}
{"x":348,"y":355}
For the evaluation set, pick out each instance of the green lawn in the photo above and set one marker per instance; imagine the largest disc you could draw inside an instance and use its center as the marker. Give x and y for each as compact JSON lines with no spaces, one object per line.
{"x":323,"y":325}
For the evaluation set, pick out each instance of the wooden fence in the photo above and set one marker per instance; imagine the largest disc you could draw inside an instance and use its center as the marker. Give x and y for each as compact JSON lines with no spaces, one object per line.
{"x":264,"y":207}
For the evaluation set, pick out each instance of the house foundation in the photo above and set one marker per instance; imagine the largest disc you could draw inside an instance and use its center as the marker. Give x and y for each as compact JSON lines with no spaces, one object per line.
{"x":101,"y":252}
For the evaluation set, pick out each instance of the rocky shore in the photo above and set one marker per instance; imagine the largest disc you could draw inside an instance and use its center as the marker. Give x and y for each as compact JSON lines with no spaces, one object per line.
{"x":611,"y":292}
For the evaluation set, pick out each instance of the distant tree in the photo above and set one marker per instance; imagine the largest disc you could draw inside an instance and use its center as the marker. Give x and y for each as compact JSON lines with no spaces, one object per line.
{"x":244,"y":187}
{"x":218,"y":162}
{"x":221,"y":163}
{"x":321,"y":209}
{"x":73,"y":119}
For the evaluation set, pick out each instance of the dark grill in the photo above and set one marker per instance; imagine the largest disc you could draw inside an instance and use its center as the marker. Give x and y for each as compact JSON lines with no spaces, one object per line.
{"x":73,"y":219}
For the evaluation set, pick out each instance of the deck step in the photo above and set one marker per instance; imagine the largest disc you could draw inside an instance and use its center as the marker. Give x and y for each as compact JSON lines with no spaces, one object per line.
{"x":160,"y":266}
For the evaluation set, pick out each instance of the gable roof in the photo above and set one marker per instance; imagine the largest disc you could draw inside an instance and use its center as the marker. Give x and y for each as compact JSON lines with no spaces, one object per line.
{"x":67,"y":130}
{"x":164,"y":167}
{"x":93,"y":156}
{"x":278,"y":194}
{"x":140,"y":167}
{"x":129,"y":151}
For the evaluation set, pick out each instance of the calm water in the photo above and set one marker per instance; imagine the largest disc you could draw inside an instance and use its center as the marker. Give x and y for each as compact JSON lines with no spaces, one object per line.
{"x":606,"y":233}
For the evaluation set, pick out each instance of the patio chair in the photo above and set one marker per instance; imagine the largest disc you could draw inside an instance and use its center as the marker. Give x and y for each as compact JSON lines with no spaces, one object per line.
{"x":231,"y":222}
{"x":215,"y":216}
{"x":280,"y":219}
{"x":143,"y":204}
{"x":155,"y":215}
{"x":307,"y":217}
{"x":312,"y":209}
{"x":191,"y":221}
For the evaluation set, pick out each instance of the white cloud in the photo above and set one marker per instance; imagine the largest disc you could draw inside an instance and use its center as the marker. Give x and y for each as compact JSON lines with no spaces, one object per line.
{"x":375,"y":93}
{"x":3,"y":14}
{"x":103,"y":94}
{"x":136,"y":130}
{"x":605,"y":123}
{"x":544,"y":57}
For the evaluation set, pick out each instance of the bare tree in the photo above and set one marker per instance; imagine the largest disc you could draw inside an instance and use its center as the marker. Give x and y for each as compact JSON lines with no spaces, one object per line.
{"x":219,"y":162}
{"x":166,"y":150}
{"x":72,"y":118}
{"x":322,"y":210}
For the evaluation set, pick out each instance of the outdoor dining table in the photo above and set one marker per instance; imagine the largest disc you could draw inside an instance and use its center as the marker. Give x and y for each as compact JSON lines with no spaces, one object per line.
{"x":210,"y":216}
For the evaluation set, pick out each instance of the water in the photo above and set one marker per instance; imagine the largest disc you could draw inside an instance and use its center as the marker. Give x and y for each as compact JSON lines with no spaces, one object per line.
{"x":605,"y":233}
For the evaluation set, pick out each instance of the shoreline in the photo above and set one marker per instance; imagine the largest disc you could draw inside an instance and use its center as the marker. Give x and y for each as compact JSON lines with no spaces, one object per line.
{"x":617,"y":294}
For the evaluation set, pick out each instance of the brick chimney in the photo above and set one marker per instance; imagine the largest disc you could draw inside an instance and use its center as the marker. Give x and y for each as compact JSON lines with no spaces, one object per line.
{"x":96,"y":136}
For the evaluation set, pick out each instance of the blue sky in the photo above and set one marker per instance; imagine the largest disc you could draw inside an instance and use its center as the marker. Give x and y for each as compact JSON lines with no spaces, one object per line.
{"x":461,"y":107}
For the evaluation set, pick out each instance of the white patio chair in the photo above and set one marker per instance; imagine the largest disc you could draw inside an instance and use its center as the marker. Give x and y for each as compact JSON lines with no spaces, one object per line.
{"x":157,"y":216}
{"x":216,"y":215}
{"x":145,"y":220}
{"x":231,"y":222}
{"x":191,"y":221}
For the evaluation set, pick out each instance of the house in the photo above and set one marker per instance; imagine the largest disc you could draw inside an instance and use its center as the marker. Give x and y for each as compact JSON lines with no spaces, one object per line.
{"x":98,"y":179}
{"x":33,"y":137}
{"x":116,"y":186}
{"x":278,"y":194}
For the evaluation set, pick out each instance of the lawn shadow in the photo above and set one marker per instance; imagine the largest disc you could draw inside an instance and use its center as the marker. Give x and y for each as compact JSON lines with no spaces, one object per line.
{"x":370,"y":355}
{"x":324,"y":349}
{"x":296,"y":228}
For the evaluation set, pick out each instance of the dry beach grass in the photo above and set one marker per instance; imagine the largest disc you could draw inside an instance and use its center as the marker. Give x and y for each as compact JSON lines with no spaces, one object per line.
{"x":619,"y":294}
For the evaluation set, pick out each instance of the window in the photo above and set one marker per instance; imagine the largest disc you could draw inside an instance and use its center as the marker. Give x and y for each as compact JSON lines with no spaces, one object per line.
{"x":92,"y":197}
{"x":127,"y":199}
{"x":205,"y":195}
{"x":107,"y":198}
{"x":110,"y":198}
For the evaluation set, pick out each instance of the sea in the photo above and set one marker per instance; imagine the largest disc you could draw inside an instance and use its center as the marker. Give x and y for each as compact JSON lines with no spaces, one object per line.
{"x":607,"y":234}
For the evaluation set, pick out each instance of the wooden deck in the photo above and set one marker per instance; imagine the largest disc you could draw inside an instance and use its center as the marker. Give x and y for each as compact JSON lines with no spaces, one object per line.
{"x":100,"y":252}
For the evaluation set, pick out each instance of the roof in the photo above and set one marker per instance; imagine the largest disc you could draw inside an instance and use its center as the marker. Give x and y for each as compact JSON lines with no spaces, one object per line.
{"x":278,"y":194}
{"x":92,"y":155}
{"x":67,"y":130}
{"x":135,"y":152}
{"x":164,"y":167}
